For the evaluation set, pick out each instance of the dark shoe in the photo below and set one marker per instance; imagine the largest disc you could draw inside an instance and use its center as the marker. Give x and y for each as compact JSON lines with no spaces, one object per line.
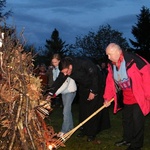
{"x":81,"y":134}
{"x":130,"y":148}
{"x":122,"y":142}
{"x":90,"y":138}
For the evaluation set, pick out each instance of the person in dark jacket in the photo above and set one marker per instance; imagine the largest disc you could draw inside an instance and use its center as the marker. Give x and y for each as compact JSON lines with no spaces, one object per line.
{"x":87,"y":75}
{"x":131,"y":73}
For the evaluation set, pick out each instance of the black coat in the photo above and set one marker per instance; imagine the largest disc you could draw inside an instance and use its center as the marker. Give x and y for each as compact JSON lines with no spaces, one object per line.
{"x":89,"y":79}
{"x":84,"y":72}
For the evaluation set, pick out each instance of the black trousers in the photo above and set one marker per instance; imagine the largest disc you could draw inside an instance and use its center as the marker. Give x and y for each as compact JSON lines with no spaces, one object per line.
{"x":133,"y":125}
{"x":99,"y":122}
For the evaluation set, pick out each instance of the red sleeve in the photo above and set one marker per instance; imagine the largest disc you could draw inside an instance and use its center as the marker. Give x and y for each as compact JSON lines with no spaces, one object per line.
{"x":109,"y":92}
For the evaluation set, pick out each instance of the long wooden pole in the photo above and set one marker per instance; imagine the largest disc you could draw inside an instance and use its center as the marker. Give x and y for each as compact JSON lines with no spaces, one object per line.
{"x":67,"y":135}
{"x":87,"y":119}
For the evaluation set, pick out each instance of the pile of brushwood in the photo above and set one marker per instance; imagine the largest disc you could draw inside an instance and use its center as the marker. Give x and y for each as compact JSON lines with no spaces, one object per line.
{"x":22,"y":106}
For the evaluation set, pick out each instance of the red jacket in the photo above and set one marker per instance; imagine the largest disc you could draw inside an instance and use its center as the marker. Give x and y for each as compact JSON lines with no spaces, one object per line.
{"x":138,"y":70}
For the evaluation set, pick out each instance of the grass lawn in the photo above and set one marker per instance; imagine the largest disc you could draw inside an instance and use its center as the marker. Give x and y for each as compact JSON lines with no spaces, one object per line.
{"x":106,"y":138}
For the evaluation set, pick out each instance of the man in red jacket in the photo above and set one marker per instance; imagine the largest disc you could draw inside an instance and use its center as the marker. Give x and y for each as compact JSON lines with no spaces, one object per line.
{"x":132,"y":74}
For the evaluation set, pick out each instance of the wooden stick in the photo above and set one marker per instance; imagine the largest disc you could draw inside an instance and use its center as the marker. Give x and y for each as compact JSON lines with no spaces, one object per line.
{"x":68,"y":134}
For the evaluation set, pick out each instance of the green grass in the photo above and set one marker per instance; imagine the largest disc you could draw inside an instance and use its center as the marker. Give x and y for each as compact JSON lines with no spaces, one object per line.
{"x":106,"y":138}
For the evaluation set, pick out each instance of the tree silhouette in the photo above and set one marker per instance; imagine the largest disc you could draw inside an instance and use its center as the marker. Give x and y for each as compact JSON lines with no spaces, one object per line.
{"x":141,"y":32}
{"x":94,"y":43}
{"x":55,"y":44}
{"x":5,"y":15}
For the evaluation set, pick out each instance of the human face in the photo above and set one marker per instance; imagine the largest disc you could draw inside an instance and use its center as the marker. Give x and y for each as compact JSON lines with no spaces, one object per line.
{"x":55,"y":62}
{"x":113,"y":55}
{"x":67,"y":71}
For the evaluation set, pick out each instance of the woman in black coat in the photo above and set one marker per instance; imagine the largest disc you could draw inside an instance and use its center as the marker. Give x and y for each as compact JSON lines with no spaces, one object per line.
{"x":88,"y":77}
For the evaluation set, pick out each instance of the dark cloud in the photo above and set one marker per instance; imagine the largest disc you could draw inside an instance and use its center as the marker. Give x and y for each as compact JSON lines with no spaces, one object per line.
{"x":124,"y":24}
{"x":72,"y":18}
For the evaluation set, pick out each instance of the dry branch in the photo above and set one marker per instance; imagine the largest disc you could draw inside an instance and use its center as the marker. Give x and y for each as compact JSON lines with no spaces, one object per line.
{"x":22,"y":110}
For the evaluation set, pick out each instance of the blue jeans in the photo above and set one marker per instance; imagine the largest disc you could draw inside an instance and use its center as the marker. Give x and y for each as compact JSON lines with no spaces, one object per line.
{"x":67,"y":100}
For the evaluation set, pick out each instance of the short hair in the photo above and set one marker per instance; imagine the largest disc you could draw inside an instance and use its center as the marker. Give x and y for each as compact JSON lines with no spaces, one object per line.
{"x":64,"y":63}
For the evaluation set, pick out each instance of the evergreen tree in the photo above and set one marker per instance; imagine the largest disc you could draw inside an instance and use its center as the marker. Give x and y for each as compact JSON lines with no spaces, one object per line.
{"x":55,"y":44}
{"x":141,"y":32}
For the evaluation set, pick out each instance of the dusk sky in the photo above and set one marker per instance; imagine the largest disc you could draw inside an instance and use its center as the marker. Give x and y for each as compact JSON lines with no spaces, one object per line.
{"x":72,"y":18}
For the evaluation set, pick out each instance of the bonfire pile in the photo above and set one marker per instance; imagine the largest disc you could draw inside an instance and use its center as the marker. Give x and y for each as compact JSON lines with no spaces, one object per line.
{"x":22,"y":106}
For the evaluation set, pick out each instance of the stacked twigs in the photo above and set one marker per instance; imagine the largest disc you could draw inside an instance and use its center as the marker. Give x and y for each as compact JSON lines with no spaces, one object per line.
{"x":22,"y":105}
